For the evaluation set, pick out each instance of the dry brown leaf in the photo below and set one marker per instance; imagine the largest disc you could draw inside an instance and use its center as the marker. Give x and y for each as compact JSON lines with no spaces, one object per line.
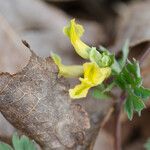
{"x":13,"y":54}
{"x":134,"y":25}
{"x":44,"y":31}
{"x":36,"y":101}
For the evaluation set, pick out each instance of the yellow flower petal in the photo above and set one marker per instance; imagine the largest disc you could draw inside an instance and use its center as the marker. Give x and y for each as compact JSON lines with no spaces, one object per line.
{"x":74,"y":32}
{"x":67,"y":71}
{"x":79,"y":91}
{"x":93,"y":76}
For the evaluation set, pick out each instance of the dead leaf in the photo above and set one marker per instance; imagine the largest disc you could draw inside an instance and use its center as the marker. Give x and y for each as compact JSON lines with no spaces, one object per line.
{"x":44,"y":32}
{"x":13,"y":54}
{"x":134,"y":25}
{"x":36,"y":101}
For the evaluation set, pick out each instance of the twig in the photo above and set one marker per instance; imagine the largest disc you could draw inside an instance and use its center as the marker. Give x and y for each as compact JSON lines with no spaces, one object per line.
{"x":106,"y":118}
{"x":118,"y":106}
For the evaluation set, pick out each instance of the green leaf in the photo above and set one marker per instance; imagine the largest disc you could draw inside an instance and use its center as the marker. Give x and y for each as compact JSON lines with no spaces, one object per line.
{"x":100,"y":91}
{"x":133,"y":103}
{"x":129,"y":108}
{"x":120,"y":81}
{"x":19,"y":143}
{"x":125,"y":52}
{"x":109,"y":87}
{"x":138,"y":105}
{"x":95,"y":56}
{"x":147,"y":145}
{"x":135,"y":73}
{"x":126,"y":75}
{"x":107,"y":57}
{"x":142,"y":92}
{"x":129,"y":76}
{"x":101,"y":87}
{"x":134,"y":68}
{"x":101,"y":58}
{"x":115,"y":67}
{"x":22,"y":143}
{"x":4,"y":146}
{"x":97,"y":94}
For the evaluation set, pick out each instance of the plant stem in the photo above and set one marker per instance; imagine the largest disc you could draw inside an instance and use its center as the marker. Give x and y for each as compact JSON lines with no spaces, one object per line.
{"x":118,"y":106}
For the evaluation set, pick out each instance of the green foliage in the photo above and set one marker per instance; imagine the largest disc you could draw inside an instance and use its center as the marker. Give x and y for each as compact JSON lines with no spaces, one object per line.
{"x":101,"y":92}
{"x":147,"y":145}
{"x":103,"y":58}
{"x":118,"y":65}
{"x":125,"y":52}
{"x":4,"y":146}
{"x":126,"y":75}
{"x":97,"y":94}
{"x":115,"y":67}
{"x":129,"y":80}
{"x":142,"y":92}
{"x":19,"y":143}
{"x":130,"y":76}
{"x":133,"y":103}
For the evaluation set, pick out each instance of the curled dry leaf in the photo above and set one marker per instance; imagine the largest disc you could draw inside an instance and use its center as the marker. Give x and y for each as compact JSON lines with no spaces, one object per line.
{"x":134,"y":25}
{"x":43,"y":31}
{"x":11,"y":48}
{"x":36,"y":101}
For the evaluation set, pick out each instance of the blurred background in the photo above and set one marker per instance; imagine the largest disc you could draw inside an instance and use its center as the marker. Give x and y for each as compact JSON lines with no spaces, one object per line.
{"x":106,"y":22}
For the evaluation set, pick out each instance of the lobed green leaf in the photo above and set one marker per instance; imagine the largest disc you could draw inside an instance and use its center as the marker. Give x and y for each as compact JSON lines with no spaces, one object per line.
{"x":19,"y":143}
{"x":142,"y":92}
{"x":101,"y":58}
{"x":125,"y":52}
{"x":133,"y":103}
{"x":99,"y":95}
{"x":4,"y":146}
{"x":23,"y":143}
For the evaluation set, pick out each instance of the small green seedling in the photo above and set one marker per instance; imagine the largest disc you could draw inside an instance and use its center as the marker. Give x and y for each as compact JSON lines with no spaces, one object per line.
{"x":19,"y":143}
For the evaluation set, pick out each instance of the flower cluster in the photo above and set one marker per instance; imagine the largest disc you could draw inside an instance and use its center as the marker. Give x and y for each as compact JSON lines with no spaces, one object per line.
{"x":94,"y":72}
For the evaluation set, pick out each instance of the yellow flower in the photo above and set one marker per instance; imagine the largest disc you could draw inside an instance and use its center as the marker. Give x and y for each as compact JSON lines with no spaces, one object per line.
{"x":93,"y":76}
{"x":67,"y":71}
{"x":74,"y":32}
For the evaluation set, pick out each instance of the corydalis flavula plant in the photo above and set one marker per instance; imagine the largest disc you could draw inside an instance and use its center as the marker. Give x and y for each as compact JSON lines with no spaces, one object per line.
{"x":100,"y":66}
{"x":19,"y":143}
